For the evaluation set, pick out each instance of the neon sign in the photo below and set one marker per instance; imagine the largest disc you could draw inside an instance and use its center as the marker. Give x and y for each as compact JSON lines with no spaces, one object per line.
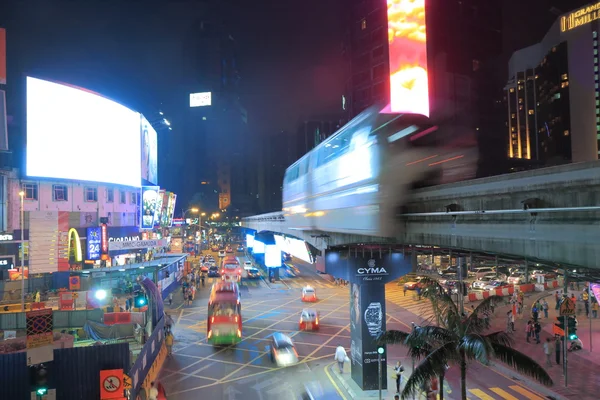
{"x":580,"y":17}
{"x":104,"y":239}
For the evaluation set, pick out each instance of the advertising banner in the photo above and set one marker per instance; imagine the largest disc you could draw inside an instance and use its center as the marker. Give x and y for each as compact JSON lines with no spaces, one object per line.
{"x":7,"y":262}
{"x":149,"y":152}
{"x":368,"y":273}
{"x":159,"y":207}
{"x":171,"y":209}
{"x":164,"y":217}
{"x":148,"y":207}
{"x":94,"y":243}
{"x":43,"y":235}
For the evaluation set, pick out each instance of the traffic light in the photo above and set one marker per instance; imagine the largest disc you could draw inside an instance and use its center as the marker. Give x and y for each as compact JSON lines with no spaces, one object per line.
{"x":572,"y":323}
{"x":39,"y":375}
{"x":140,"y":300}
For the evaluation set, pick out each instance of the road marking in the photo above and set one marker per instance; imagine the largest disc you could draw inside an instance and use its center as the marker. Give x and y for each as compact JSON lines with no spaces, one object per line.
{"x":193,"y":373}
{"x":179,"y":318}
{"x":333,"y":382}
{"x":503,"y":394}
{"x":525,"y":392}
{"x":481,"y":394}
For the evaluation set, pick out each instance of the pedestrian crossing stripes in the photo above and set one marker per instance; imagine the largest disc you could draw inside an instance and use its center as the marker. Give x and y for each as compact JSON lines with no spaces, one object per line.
{"x":298,"y":283}
{"x":513,"y":392}
{"x":408,"y":300}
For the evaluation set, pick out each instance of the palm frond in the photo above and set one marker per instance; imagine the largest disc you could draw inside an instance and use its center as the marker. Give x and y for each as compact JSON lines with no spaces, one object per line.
{"x":392,"y":337}
{"x":431,"y":333}
{"x":432,"y":365}
{"x":521,"y":363}
{"x":500,"y":337}
{"x":477,"y":347}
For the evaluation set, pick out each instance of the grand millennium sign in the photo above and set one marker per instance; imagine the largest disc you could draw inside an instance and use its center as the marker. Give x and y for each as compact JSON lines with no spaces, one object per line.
{"x":580,"y":17}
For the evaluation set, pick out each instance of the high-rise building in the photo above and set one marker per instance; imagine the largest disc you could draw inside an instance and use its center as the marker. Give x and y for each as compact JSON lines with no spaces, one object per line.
{"x":313,"y":131}
{"x":552,"y":95}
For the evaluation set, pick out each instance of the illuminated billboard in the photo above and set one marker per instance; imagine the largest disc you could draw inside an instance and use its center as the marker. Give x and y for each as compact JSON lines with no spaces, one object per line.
{"x":164,"y":216}
{"x":272,"y":256}
{"x":159,"y":207}
{"x":200,"y":99}
{"x":171,"y":209}
{"x":148,"y":208}
{"x":149,"y":152}
{"x":409,"y":89}
{"x":249,"y":241}
{"x":94,"y":241}
{"x":69,"y":130}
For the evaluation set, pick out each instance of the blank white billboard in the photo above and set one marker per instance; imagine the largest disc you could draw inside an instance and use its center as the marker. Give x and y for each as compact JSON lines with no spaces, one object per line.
{"x":200,"y":99}
{"x":76,"y":134}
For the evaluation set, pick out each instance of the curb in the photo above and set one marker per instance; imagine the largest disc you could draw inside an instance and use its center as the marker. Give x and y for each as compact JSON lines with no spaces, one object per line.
{"x":341,"y":381}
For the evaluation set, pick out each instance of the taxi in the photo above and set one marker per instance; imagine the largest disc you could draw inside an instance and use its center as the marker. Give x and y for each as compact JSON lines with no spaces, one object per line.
{"x":309,"y":320}
{"x":309,"y":294}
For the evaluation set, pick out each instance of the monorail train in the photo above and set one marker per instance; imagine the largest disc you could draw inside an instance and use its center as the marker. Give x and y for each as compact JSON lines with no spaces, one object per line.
{"x":357,"y":179}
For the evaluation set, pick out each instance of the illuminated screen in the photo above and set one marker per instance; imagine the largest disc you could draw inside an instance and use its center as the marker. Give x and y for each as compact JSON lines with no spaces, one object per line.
{"x":259,"y":247}
{"x":148,"y":208}
{"x":159,"y":207}
{"x":409,"y":89}
{"x":171,"y":208}
{"x":281,"y":243}
{"x":298,"y":249}
{"x":249,"y":241}
{"x":149,"y":152}
{"x":272,"y":256}
{"x":70,"y":130}
{"x":200,"y":99}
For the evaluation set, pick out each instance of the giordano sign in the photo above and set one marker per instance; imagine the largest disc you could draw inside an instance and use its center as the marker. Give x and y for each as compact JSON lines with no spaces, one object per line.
{"x":580,"y":17}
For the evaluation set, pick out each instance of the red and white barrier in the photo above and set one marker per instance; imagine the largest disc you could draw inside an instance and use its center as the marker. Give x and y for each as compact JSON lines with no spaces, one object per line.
{"x":507,"y":291}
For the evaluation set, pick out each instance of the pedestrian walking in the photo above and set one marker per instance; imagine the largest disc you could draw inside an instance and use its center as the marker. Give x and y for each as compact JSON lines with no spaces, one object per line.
{"x":557,"y":348}
{"x":169,"y":339}
{"x":545,"y":308}
{"x":537,"y":328}
{"x":548,"y":352}
{"x":594,"y":309}
{"x":340,"y":357}
{"x":405,"y":289}
{"x":153,"y":392}
{"x":557,"y":299}
{"x":398,"y":369}
{"x":529,"y":329}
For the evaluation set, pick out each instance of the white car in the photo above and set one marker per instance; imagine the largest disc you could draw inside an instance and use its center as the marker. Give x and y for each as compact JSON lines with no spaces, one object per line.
{"x":482,"y":282}
{"x":221,"y":253}
{"x":516,"y":278}
{"x":248,"y":264}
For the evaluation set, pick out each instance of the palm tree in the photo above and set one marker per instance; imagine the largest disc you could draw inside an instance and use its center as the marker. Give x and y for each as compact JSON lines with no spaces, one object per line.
{"x":456,"y":340}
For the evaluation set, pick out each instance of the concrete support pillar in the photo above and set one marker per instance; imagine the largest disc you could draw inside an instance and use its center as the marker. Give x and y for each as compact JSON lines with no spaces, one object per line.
{"x":413,"y":260}
{"x":526,"y":271}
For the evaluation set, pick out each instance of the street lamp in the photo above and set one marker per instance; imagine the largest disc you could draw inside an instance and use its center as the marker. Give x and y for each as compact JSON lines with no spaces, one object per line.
{"x":22,"y":195}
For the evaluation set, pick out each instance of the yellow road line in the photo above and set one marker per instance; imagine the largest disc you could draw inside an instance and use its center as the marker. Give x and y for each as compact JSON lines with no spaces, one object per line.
{"x":481,"y":394}
{"x":503,"y":394}
{"x":333,"y":382}
{"x":525,"y":392}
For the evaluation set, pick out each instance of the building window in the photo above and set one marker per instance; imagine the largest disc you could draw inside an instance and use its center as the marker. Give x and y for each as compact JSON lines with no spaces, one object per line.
{"x":363,"y":24}
{"x":133,"y":198}
{"x":512,"y":90}
{"x":122,"y":197}
{"x":520,"y":100}
{"x":566,"y":133}
{"x":31,"y":191}
{"x":530,"y":112}
{"x":91,"y":194}
{"x":110,"y":195}
{"x":60,"y":193}
{"x":378,"y":52}
{"x":378,"y":71}
{"x":564,"y":77}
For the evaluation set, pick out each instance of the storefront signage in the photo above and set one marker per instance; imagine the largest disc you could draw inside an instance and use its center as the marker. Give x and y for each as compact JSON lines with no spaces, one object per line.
{"x":94,"y":243}
{"x":372,"y":272}
{"x":7,"y":262}
{"x":136,"y":244}
{"x":5,"y":237}
{"x":104,"y":230}
{"x":580,"y":17}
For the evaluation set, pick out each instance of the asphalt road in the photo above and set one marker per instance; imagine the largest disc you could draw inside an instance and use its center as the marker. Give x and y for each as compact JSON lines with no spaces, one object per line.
{"x":199,"y":370}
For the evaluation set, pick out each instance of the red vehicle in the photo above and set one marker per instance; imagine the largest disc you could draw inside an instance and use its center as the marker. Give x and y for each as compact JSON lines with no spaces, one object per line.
{"x":224,"y":325}
{"x":309,"y":320}
{"x":309,"y":294}
{"x":231,"y":269}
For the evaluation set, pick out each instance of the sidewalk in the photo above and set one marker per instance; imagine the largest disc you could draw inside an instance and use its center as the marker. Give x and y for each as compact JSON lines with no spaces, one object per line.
{"x":583,"y":377}
{"x":345,"y":380}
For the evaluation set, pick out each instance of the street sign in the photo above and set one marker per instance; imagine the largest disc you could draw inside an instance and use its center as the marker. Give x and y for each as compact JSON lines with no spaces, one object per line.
{"x":111,"y":384}
{"x":39,"y":328}
{"x":39,"y":355}
{"x":126,"y":382}
{"x":567,"y":307}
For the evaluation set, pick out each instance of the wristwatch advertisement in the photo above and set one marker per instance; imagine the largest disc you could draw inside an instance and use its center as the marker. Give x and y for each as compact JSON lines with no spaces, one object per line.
{"x":374,"y":319}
